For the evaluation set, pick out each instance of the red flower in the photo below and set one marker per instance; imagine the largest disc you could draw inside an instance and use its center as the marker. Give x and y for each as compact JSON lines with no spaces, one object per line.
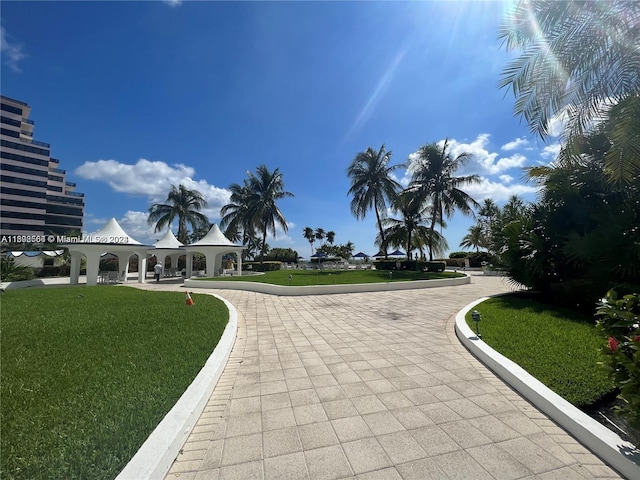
{"x":613,"y":344}
{"x":636,"y":338}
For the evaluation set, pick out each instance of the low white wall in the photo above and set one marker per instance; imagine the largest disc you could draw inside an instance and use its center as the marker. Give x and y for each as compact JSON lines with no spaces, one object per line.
{"x":324,"y":289}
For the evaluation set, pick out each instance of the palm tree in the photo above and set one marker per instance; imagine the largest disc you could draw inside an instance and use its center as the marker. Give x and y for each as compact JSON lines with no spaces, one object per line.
{"x":578,"y":59}
{"x":474,"y":239}
{"x":265,"y":188}
{"x":310,"y":235}
{"x":433,"y":180}
{"x":372,"y":185}
{"x":399,"y":232}
{"x":331,"y":236}
{"x":235,"y":219}
{"x":183,"y":204}
{"x":320,"y":234}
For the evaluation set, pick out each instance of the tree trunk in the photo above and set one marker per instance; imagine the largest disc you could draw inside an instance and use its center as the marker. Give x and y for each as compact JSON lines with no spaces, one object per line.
{"x":384,"y":240}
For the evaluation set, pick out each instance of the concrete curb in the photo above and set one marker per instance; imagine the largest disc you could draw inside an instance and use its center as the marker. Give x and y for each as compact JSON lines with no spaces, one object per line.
{"x":325,"y":289}
{"x":156,"y":455}
{"x":609,"y":447}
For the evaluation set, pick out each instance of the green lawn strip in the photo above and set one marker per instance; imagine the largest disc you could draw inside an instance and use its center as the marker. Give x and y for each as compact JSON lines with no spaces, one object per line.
{"x":88,"y":373}
{"x":559,"y":347}
{"x":335,"y":277}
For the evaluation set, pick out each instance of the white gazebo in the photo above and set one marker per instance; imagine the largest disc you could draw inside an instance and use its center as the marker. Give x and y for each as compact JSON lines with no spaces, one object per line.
{"x":109,"y":239}
{"x":214,"y":245}
{"x":167,"y":246}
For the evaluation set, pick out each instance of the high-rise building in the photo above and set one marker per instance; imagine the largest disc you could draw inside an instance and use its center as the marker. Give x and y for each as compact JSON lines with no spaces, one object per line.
{"x":35,"y":198}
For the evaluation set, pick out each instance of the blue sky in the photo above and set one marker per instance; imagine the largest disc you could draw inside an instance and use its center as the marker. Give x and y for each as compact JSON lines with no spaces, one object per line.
{"x":136,"y":96}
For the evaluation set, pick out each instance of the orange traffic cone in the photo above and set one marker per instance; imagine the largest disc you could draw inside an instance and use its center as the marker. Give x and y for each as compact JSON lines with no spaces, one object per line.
{"x":188,"y":298}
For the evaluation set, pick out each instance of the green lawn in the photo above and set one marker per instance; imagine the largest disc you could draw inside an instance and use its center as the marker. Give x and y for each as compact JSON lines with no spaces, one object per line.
{"x":88,"y":372}
{"x":336,"y":277}
{"x":557,"y":346}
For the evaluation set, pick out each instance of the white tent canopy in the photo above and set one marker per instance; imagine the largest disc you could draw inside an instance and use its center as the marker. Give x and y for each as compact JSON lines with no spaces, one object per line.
{"x":213,"y":246}
{"x":167,"y":246}
{"x":111,"y":238}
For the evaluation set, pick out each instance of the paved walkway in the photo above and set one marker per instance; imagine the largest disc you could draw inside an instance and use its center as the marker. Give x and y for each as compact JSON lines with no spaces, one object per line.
{"x":369,"y":386}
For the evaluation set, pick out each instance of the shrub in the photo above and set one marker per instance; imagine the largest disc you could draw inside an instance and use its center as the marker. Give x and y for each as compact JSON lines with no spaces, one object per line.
{"x":479,"y":259}
{"x":453,"y":262}
{"x":619,"y":320}
{"x":414,"y":265}
{"x":435,"y":266}
{"x":262,"y":267}
{"x":11,"y":272}
{"x":459,"y":254}
{"x":282,"y":254}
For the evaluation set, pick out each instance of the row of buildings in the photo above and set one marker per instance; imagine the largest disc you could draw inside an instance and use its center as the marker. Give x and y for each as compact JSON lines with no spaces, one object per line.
{"x":36,"y":200}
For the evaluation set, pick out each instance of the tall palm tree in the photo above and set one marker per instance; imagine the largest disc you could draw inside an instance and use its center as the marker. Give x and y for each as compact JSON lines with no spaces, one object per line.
{"x":372,"y":185}
{"x":310,"y":235}
{"x":265,"y":188}
{"x":183,"y":204}
{"x":331,"y":236}
{"x":578,"y":58}
{"x":320,"y":234}
{"x":433,"y":180}
{"x":235,"y":219}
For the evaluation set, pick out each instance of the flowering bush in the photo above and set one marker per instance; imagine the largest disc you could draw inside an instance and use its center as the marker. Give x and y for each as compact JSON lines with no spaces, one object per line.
{"x":619,"y":320}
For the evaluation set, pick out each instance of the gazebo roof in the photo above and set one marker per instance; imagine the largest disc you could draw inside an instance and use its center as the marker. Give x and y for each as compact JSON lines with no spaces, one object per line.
{"x":215,"y":238}
{"x":168,"y":241}
{"x":112,"y":232}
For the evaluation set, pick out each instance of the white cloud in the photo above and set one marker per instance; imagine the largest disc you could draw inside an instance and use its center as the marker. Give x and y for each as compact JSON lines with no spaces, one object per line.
{"x":557,"y":124}
{"x":173,"y":3}
{"x":12,"y":53}
{"x":484,"y":162}
{"x":517,"y":143}
{"x":135,"y":224}
{"x":153,"y":179}
{"x":498,"y":191}
{"x":550,"y":152}
{"x":506,"y":178}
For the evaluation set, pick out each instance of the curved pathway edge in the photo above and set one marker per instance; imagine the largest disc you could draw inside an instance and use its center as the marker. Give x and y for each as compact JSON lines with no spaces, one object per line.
{"x":156,"y":455}
{"x":325,"y":289}
{"x":619,"y":454}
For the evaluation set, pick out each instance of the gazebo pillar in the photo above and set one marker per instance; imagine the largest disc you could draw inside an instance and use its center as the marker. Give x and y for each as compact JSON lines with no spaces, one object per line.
{"x":174,"y":260}
{"x":76,"y":262}
{"x":93,"y":267}
{"x":212,"y":262}
{"x":189,"y":265}
{"x":142,"y":266}
{"x":239,"y":263}
{"x":123,"y":265}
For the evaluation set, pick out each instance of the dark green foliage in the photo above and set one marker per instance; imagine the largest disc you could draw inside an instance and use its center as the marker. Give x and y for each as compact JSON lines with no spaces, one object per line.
{"x":581,"y":238}
{"x":266,"y":266}
{"x":480,"y":259}
{"x":459,"y":254}
{"x":619,"y":319}
{"x":286,"y":255}
{"x":338,"y":251}
{"x":557,"y":346}
{"x":411,"y":265}
{"x":88,"y":373}
{"x":11,"y":272}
